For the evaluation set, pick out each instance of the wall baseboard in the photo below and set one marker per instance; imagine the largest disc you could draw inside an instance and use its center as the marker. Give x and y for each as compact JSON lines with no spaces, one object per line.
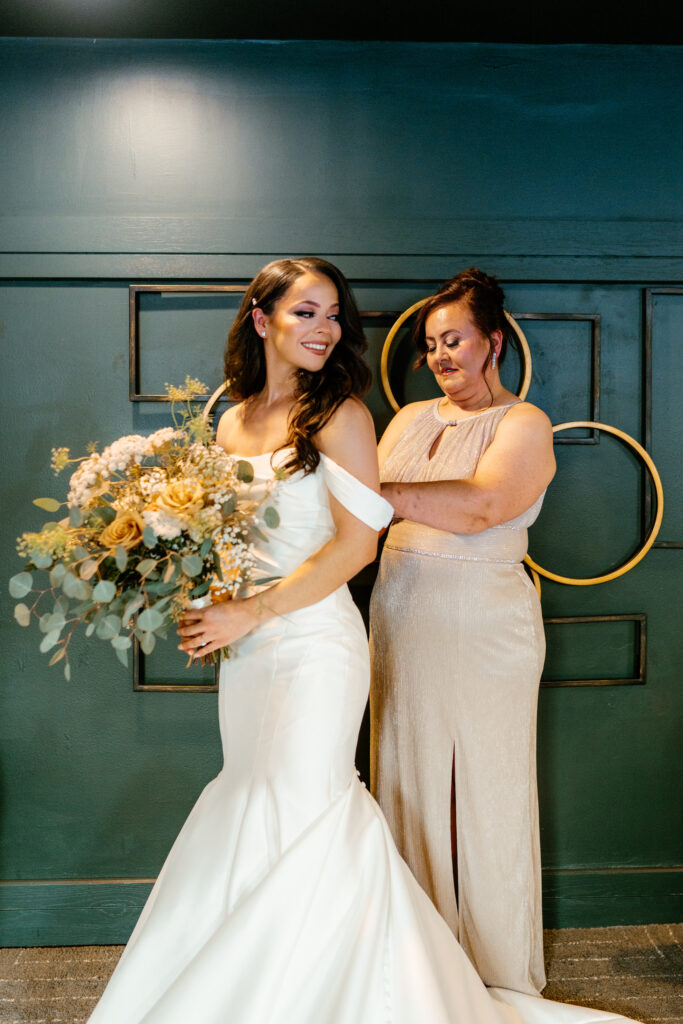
{"x":591,"y":898}
{"x":103,"y":912}
{"x":65,"y":913}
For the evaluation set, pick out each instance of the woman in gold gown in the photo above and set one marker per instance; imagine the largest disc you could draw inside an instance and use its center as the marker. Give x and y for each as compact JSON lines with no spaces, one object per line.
{"x":457,"y":637}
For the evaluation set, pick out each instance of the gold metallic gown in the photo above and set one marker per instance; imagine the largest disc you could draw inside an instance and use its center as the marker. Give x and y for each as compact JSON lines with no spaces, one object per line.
{"x":457,"y":650}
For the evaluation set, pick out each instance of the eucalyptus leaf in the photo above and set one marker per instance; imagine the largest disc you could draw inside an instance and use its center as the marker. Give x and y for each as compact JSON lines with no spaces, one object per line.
{"x":192,"y":565}
{"x":79,"y":610}
{"x":108,"y":627}
{"x":75,"y":516}
{"x":67,"y":672}
{"x":22,"y":614}
{"x":105,"y":513}
{"x":55,"y":621}
{"x":121,"y":557}
{"x":146,"y":566}
{"x":88,"y":568}
{"x":121,"y":643}
{"x":57,"y":656}
{"x":161,"y":588}
{"x":149,"y":537}
{"x":21,"y":584}
{"x":105,"y":591}
{"x":244,"y":471}
{"x":149,"y":620}
{"x":258,"y":533}
{"x":206,"y":547}
{"x":41,"y":561}
{"x":271,"y":517}
{"x":263,"y":580}
{"x":49,"y":641}
{"x":218,"y":569}
{"x":61,"y":605}
{"x":80,"y":552}
{"x":90,"y":629}
{"x":57,"y":574}
{"x":48,"y":504}
{"x":73,"y":587}
{"x":147,"y":642}
{"x":170,"y":572}
{"x":130,"y":609}
{"x":43,"y":623}
{"x":201,"y":589}
{"x":122,"y":655}
{"x":230,"y":504}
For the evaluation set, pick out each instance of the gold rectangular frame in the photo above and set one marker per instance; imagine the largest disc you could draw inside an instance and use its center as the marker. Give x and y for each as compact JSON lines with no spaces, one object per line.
{"x":134,"y":292}
{"x":140,"y":686}
{"x":640,"y":618}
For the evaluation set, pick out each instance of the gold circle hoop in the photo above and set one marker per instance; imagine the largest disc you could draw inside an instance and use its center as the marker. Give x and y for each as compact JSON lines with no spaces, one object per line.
{"x":650,"y":539}
{"x":393,"y":330}
{"x":214,"y":398}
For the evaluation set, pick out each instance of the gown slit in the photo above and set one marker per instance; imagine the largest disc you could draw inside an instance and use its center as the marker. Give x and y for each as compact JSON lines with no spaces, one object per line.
{"x":454,"y":828}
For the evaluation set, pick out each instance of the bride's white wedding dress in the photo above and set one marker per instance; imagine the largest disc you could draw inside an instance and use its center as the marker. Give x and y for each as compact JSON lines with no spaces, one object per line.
{"x":284,"y":899}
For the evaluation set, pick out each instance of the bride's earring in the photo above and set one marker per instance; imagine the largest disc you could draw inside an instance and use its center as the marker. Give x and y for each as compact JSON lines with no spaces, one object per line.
{"x":493,"y":362}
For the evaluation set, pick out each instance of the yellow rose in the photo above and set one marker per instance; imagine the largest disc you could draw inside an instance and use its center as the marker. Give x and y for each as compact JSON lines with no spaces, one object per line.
{"x":181,"y":497}
{"x":125,"y":530}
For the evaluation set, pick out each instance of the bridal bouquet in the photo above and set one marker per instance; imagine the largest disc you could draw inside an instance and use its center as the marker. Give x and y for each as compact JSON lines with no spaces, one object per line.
{"x":153,"y":523}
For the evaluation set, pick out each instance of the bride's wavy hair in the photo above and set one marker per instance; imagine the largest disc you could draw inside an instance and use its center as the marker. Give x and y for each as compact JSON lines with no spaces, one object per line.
{"x":317,"y":395}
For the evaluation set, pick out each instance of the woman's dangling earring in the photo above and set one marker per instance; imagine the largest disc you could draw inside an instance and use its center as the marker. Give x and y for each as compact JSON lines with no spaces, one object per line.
{"x":493,"y":362}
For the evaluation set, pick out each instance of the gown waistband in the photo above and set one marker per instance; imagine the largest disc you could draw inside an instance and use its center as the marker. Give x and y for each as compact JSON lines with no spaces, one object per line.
{"x":499,"y":544}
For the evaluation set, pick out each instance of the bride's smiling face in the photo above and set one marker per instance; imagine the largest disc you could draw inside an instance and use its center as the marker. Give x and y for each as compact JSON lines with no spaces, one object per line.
{"x":303,"y":327}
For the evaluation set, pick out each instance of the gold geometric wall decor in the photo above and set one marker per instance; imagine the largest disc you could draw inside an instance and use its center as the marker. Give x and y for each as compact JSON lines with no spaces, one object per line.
{"x":134,"y":293}
{"x":650,"y":295}
{"x":637,"y":678}
{"x":394,"y":329}
{"x":141,"y":685}
{"x":649,"y":540}
{"x":595,"y":322}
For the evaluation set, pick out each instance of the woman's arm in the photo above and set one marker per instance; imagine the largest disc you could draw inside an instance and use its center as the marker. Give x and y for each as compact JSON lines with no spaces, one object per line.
{"x":512,"y":473}
{"x":349,"y":439}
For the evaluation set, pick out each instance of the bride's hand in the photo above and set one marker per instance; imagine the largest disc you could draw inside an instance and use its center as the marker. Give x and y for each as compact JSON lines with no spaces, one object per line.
{"x":203,"y":630}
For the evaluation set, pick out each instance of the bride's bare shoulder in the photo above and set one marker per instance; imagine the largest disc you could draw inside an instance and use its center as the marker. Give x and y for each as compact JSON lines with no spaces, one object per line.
{"x":228,"y":426}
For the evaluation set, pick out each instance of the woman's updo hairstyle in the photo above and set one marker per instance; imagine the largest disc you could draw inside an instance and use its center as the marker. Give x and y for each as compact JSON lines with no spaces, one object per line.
{"x":485,"y":298}
{"x":317,"y":395}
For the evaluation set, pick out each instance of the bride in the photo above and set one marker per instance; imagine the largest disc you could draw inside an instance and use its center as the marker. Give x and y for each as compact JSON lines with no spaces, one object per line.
{"x":284,"y":899}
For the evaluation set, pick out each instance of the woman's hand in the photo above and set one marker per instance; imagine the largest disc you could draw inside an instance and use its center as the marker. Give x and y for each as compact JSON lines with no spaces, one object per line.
{"x":204,"y":630}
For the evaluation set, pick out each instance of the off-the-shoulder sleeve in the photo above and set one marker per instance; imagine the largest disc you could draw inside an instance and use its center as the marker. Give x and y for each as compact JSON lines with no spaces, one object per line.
{"x":364,"y":503}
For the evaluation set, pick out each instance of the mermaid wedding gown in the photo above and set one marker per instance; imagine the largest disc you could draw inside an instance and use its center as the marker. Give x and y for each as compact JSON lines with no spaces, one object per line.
{"x":284,"y":899}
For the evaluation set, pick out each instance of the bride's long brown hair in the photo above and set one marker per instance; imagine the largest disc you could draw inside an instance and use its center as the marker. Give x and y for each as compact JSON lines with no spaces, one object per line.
{"x":317,"y":395}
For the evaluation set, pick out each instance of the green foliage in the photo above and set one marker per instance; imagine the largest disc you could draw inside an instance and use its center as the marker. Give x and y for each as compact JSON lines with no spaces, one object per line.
{"x":21,"y":584}
{"x":104,"y":591}
{"x":245,"y":471}
{"x":165,"y":546}
{"x":271,"y":518}
{"x":47,"y":504}
{"x":149,"y":537}
{"x":192,"y":565}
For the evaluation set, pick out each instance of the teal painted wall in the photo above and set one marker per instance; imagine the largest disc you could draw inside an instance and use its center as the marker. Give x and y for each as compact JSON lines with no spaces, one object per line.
{"x":140,"y":162}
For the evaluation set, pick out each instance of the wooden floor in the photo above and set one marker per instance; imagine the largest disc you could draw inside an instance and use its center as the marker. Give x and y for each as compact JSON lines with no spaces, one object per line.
{"x":634,"y":971}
